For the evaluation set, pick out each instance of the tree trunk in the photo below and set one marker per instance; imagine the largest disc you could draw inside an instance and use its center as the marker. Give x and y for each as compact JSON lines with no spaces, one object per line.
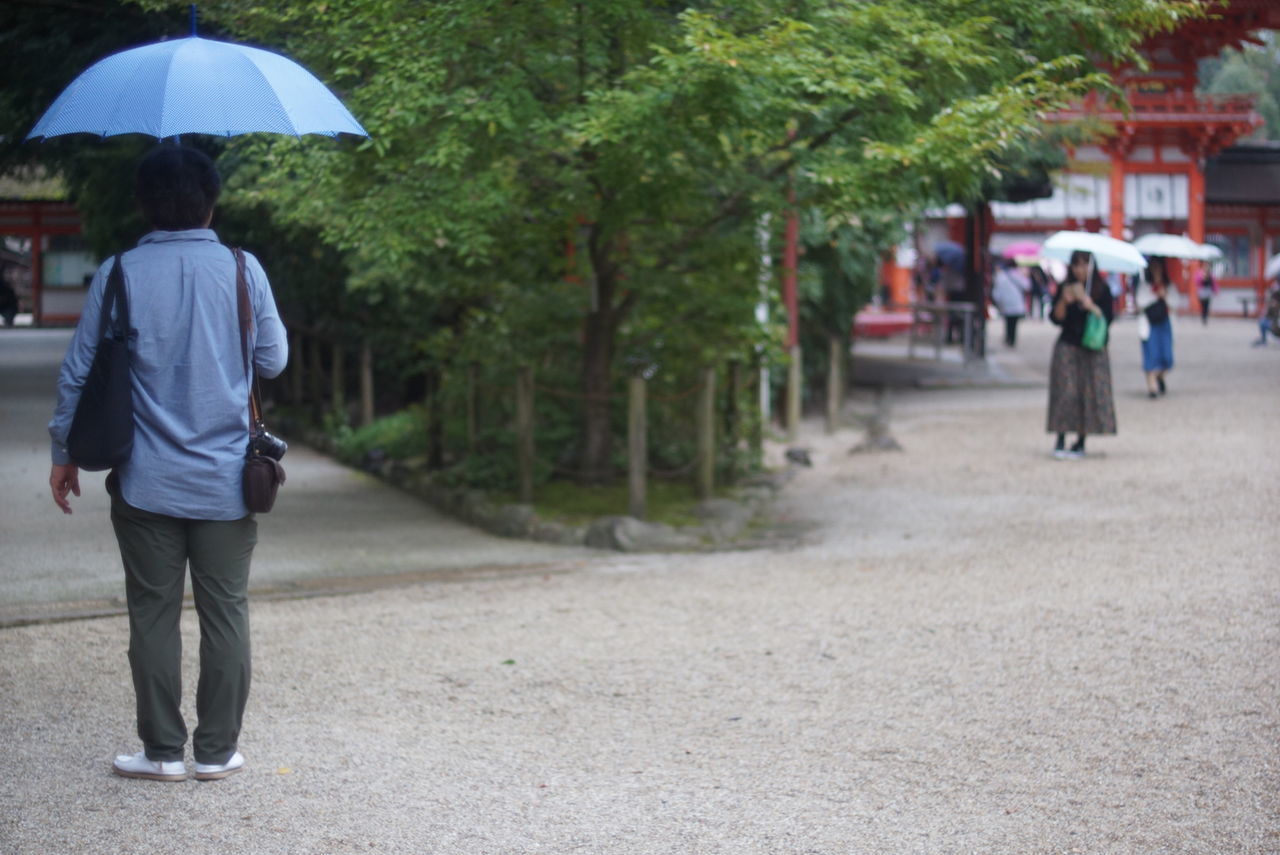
{"x":435,"y":418}
{"x":600,"y":331}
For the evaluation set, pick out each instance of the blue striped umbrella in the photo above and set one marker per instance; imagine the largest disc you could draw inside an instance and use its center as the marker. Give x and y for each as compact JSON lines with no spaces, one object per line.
{"x":196,"y":86}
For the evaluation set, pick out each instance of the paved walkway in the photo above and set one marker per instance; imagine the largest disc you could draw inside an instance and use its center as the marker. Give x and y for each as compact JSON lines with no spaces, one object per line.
{"x":980,"y":650}
{"x":331,"y":528}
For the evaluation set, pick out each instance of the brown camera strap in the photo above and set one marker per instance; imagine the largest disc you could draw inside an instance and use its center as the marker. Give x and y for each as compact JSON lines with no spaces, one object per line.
{"x":245,"y":311}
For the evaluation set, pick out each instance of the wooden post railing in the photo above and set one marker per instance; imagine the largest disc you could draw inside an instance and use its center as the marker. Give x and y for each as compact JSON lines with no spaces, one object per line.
{"x":524,"y":432}
{"x":637,"y":449}
{"x":706,"y":431}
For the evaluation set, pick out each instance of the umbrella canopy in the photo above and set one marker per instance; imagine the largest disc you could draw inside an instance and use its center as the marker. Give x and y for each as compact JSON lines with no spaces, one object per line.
{"x":1273,"y":267}
{"x":1211,"y":252}
{"x":1021,"y":249}
{"x":949,"y":253}
{"x":1108,"y":253}
{"x":1176,"y":246}
{"x":196,"y":86}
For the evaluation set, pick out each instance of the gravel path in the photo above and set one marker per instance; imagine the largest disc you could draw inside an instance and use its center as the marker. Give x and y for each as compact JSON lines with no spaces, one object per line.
{"x":979,"y":649}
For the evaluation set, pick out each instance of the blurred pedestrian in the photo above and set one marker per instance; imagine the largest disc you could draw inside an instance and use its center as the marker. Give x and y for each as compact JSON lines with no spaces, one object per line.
{"x":1269,"y":319}
{"x":1080,"y":398}
{"x":1155,"y":328}
{"x":178,"y":499}
{"x":1009,"y":293}
{"x":1206,"y":288}
{"x":1041,"y":293}
{"x":8,"y":303}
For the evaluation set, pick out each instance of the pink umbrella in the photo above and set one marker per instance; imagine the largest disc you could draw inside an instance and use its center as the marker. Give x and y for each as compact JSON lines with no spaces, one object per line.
{"x":1022,"y":248}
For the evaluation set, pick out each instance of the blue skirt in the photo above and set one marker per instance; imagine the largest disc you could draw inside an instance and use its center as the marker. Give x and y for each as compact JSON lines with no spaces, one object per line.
{"x":1157,"y":350}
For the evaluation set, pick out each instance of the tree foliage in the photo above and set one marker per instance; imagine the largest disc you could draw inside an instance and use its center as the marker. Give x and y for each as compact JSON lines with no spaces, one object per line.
{"x":1254,"y":70}
{"x":652,"y":136}
{"x":579,"y":183}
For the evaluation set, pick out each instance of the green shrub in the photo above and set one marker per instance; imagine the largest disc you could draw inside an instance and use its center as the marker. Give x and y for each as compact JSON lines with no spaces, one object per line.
{"x":399,"y":436}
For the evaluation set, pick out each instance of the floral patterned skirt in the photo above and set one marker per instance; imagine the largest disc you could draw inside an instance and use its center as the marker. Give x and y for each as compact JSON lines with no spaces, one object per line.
{"x":1080,"y":398}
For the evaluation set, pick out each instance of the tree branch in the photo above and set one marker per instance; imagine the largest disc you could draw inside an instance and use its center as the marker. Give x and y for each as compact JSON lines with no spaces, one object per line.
{"x":733,"y":205}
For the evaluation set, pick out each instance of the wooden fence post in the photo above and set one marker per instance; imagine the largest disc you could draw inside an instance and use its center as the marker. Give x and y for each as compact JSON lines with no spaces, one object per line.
{"x":339,"y":378}
{"x":762,"y":411}
{"x":524,"y":432}
{"x":795,"y":378}
{"x":297,"y":361}
{"x":316,"y":372}
{"x":366,"y":383}
{"x":473,"y":408}
{"x":733,"y":415}
{"x":835,"y":382}
{"x":435,"y":418}
{"x":706,"y":431}
{"x":637,"y":449}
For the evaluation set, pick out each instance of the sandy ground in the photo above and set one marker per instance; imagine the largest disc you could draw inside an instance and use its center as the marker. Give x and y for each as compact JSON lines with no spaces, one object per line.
{"x":978,"y":649}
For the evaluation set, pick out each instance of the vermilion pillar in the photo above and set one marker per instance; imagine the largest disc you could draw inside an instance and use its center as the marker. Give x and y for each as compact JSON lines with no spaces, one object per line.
{"x":1195,"y":218}
{"x":1117,"y":196}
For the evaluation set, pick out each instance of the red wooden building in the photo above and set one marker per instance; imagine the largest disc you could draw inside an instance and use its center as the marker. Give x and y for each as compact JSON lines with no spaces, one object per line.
{"x":1166,"y":165}
{"x":45,"y":259}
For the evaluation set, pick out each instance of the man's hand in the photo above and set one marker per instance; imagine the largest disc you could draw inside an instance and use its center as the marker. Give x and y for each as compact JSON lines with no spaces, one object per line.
{"x":64,"y":478}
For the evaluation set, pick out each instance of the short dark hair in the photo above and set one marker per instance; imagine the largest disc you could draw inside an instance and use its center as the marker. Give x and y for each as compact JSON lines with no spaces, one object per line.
{"x":177,"y":187}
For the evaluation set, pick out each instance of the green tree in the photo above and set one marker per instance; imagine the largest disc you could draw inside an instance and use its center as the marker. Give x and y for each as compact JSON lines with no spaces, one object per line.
{"x":1253,"y":70}
{"x":652,"y":135}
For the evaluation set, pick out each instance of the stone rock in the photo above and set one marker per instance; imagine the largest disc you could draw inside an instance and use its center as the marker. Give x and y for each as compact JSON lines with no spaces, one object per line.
{"x":628,"y":534}
{"x":799,"y":457}
{"x":724,"y":519}
{"x":514,"y":520}
{"x":547,"y":531}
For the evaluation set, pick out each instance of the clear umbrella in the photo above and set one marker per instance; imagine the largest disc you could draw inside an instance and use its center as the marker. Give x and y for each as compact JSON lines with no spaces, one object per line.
{"x":1109,"y":253}
{"x":1176,"y":246}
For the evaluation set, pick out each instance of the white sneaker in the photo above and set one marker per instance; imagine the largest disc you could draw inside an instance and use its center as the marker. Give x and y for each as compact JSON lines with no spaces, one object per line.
{"x":214,"y":771}
{"x":138,"y":766}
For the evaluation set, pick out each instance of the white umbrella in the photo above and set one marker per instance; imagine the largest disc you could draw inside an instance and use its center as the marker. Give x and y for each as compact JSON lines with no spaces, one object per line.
{"x":1273,"y":267}
{"x":1108,"y":253}
{"x":1176,"y":246}
{"x":1211,"y":252}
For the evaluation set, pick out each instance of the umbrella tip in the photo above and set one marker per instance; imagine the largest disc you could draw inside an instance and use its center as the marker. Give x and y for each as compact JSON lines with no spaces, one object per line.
{"x":193,"y":19}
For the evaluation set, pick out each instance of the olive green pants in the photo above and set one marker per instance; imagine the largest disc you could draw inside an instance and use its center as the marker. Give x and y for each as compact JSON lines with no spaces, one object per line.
{"x":156,"y":550}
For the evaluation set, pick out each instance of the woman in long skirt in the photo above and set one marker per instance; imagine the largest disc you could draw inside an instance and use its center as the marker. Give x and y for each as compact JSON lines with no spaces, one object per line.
{"x":1080,"y":399}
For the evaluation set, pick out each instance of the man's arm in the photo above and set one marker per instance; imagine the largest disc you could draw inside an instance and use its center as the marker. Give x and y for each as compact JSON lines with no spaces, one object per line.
{"x":271,"y":342}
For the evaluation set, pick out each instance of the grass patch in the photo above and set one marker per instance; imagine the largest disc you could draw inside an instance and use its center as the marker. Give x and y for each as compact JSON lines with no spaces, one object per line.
{"x":575,"y":504}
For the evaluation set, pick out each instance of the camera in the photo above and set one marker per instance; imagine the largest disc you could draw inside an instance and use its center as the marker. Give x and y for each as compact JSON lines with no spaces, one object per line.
{"x":266,"y":444}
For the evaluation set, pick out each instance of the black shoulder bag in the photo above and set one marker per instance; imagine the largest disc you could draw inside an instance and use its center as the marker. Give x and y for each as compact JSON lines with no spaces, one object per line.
{"x":101,"y":434}
{"x":263,"y":473}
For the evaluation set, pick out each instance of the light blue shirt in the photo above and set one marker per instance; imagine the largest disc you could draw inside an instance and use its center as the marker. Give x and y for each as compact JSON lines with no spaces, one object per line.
{"x":190,"y":390}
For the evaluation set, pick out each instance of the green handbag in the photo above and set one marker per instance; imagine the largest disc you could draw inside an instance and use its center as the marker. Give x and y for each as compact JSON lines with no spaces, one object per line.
{"x":1095,"y":332}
